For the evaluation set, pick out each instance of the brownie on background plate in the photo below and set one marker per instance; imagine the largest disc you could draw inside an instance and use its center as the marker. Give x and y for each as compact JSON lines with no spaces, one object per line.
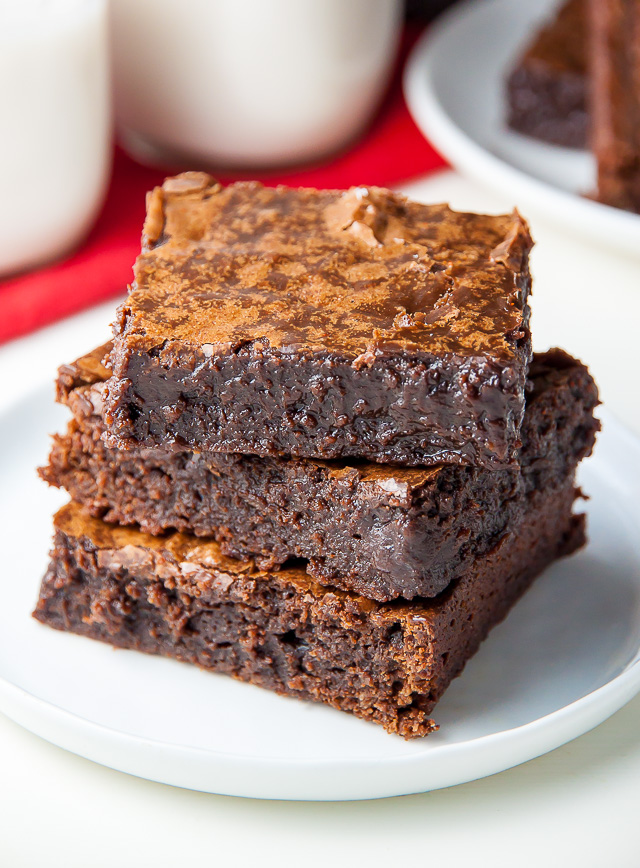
{"x":322,"y":324}
{"x":615,"y":47}
{"x":547,"y":90}
{"x":381,"y":531}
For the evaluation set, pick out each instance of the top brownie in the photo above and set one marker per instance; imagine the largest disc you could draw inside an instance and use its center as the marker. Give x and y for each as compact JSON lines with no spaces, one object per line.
{"x":322,"y":323}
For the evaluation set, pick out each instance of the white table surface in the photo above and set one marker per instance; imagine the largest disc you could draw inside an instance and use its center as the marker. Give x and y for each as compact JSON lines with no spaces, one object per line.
{"x":576,"y":806}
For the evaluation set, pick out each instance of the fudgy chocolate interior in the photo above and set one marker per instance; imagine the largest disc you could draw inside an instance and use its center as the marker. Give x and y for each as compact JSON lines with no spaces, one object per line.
{"x":387,"y":663}
{"x":382,"y":531}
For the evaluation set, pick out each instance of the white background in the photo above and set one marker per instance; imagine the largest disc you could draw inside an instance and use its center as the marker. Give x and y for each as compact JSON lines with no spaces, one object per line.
{"x":575,"y":806}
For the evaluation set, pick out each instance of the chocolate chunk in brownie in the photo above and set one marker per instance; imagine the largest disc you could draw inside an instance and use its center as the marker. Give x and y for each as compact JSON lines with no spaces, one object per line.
{"x":322,"y":324}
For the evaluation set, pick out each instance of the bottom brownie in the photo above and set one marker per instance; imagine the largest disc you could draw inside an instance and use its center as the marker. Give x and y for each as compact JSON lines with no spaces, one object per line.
{"x":385,"y":662}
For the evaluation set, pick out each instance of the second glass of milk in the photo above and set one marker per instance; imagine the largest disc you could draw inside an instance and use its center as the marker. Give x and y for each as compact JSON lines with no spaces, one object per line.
{"x":249,"y":83}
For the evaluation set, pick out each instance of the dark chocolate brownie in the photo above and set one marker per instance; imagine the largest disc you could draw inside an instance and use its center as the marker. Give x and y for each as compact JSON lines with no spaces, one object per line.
{"x":387,"y":663}
{"x":324,"y":324}
{"x":381,"y":531}
{"x":615,"y":34}
{"x":548,"y":88}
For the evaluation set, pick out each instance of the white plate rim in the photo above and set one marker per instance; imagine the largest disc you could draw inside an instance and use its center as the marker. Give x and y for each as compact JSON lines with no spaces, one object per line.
{"x":217,"y":772}
{"x":591,"y":219}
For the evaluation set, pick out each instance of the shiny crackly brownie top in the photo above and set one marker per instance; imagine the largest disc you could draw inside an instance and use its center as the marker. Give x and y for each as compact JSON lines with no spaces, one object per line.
{"x":353,"y":272}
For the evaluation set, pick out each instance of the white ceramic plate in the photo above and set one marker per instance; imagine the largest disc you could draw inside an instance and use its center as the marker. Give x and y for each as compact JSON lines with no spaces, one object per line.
{"x":454,"y":86}
{"x":562,"y":662}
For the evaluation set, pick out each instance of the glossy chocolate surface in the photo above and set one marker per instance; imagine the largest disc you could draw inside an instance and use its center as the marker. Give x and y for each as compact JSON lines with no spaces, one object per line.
{"x":348,"y":273}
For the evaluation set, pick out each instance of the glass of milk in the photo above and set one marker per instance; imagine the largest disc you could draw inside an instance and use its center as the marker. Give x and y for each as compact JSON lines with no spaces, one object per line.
{"x":55,"y":117}
{"x":248,"y":83}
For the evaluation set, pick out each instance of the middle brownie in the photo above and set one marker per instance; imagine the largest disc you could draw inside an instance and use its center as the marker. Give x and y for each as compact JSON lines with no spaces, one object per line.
{"x":383,"y":532}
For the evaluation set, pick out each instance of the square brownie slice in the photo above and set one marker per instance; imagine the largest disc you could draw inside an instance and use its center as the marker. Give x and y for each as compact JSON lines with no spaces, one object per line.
{"x":323,"y":324}
{"x":379,"y":530}
{"x":387,"y":663}
{"x":547,"y":89}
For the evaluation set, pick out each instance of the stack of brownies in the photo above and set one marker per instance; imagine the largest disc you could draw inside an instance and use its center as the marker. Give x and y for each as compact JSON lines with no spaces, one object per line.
{"x":321,"y":456}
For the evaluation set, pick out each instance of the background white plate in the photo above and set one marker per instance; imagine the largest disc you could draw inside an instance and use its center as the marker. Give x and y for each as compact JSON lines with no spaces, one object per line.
{"x":454,"y":85}
{"x":563,"y":661}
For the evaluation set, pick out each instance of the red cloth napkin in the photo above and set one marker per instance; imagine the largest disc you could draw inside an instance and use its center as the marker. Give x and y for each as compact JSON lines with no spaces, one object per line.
{"x":391,"y":151}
